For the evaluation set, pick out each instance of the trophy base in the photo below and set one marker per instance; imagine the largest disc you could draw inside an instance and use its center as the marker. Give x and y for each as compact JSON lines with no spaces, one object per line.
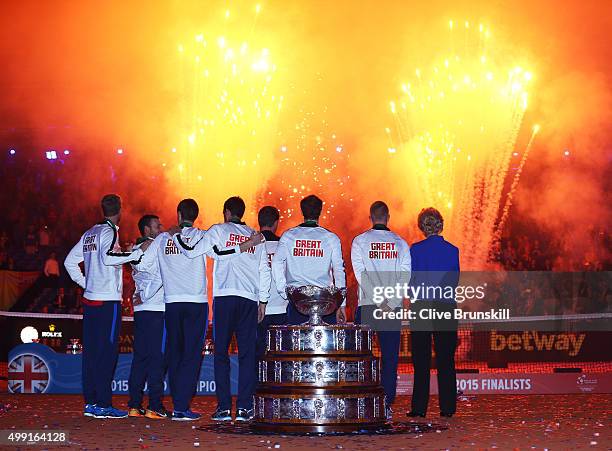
{"x":321,"y":410}
{"x":304,"y":428}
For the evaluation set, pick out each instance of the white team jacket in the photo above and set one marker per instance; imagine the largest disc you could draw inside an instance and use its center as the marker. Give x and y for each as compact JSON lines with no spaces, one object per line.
{"x":308,"y":255}
{"x":276,"y":305}
{"x":147,"y":279}
{"x":184,"y":278}
{"x":101,"y":255}
{"x":246,"y":275}
{"x":379,"y":255}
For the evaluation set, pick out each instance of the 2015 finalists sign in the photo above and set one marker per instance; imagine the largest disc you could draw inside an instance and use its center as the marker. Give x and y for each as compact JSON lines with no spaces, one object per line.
{"x":519,"y":383}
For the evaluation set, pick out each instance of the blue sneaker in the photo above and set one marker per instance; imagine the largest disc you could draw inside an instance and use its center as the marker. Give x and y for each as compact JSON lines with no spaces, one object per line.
{"x":187,"y":415}
{"x":109,"y":412}
{"x":245,"y":414}
{"x":89,"y":410}
{"x":222,"y":415}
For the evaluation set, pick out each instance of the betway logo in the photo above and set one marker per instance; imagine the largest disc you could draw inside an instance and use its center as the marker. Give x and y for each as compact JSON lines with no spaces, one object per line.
{"x":536,"y":341}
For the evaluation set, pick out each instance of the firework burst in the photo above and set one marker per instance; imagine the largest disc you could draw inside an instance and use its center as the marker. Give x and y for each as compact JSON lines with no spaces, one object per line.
{"x":455,"y":127}
{"x":231,"y":100}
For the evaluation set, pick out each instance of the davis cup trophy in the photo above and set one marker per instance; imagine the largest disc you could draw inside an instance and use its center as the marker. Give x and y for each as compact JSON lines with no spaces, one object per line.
{"x":317,"y":377}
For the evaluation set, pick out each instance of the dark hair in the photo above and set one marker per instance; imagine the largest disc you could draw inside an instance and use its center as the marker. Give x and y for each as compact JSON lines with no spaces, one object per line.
{"x":111,"y":205}
{"x":235,"y":205}
{"x":430,"y":221}
{"x":188,"y":208}
{"x":145,"y":221}
{"x":311,"y":207}
{"x":379,"y":211}
{"x":267,"y":216}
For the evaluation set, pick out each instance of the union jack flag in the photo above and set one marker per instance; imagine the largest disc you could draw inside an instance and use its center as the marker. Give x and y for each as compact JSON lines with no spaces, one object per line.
{"x":28,"y":374}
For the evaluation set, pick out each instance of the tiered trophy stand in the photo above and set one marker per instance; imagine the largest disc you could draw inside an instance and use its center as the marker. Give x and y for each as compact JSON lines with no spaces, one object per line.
{"x":316,"y":377}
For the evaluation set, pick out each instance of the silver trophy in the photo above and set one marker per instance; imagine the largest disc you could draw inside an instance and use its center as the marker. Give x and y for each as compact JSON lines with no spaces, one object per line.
{"x":316,"y":302}
{"x":316,"y":377}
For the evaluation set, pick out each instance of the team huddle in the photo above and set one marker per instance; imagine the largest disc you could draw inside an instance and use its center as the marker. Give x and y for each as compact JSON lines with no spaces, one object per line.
{"x":252,"y":271}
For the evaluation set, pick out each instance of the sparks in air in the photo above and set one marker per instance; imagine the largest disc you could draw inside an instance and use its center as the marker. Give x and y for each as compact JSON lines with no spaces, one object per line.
{"x":455,"y":128}
{"x":312,"y":159}
{"x":231,"y":98}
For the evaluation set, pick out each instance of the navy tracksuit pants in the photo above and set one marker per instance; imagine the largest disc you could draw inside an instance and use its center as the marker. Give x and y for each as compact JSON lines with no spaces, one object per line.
{"x":235,"y":315}
{"x":186,"y":324}
{"x":295,"y":318}
{"x":101,"y":325}
{"x":148,"y":360}
{"x":389,"y":343}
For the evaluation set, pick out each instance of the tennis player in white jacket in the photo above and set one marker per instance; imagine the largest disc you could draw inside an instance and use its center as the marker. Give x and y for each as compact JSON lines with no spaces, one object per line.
{"x":186,"y":299}
{"x":240,"y":286}
{"x":309,"y":255}
{"x":99,"y":251}
{"x":380,"y":257}
{"x":148,"y":363}
{"x":275,"y":312}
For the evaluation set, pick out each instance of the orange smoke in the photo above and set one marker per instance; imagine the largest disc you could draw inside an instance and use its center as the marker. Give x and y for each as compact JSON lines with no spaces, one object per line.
{"x":96,"y":79}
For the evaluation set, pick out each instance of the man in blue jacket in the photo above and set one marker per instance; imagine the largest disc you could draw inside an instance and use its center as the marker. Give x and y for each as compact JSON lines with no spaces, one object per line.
{"x":435,"y":264}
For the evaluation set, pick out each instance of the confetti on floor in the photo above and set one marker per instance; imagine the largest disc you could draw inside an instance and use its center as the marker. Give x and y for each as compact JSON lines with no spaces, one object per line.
{"x":484,"y":422}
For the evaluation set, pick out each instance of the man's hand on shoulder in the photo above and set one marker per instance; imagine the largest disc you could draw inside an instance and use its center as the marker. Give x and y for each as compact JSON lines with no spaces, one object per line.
{"x":256,"y":238}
